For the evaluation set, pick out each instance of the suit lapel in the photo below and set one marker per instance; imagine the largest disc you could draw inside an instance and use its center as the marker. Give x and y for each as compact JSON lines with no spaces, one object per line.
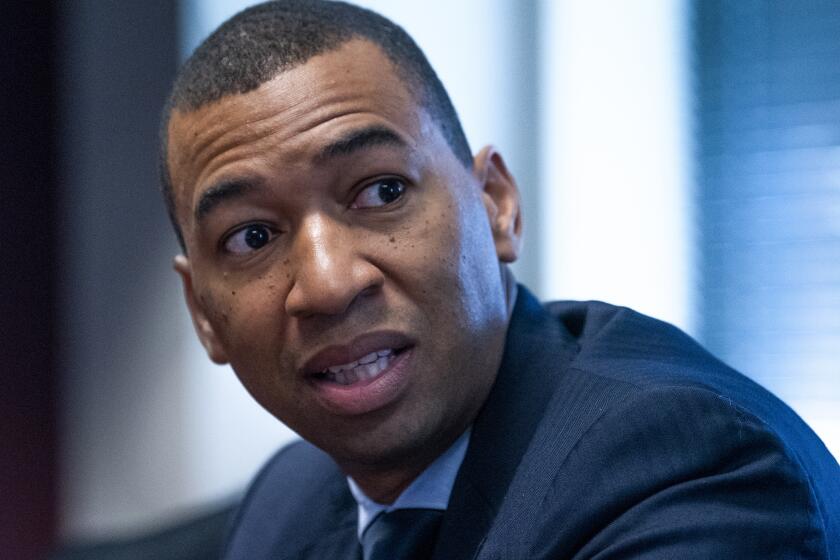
{"x":537,"y":348}
{"x":572,"y":409}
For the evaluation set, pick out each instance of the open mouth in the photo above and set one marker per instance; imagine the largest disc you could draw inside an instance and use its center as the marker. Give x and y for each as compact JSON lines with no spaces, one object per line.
{"x":368,"y":373}
{"x":366,"y":368}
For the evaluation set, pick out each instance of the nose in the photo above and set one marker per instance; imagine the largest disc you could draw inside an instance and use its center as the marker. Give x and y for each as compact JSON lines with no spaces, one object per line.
{"x":330,"y":269}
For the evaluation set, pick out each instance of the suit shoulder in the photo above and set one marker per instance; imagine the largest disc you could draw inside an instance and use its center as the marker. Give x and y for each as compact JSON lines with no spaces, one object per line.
{"x":297,"y":465}
{"x":291,"y":500}
{"x":671,"y":459}
{"x":296,"y":473}
{"x":609,"y":331}
{"x":663,"y":370}
{"x":628,"y":347}
{"x":732,"y":453}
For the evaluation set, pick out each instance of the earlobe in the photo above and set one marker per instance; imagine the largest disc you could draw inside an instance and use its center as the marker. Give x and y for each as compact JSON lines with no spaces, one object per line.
{"x":203,"y":327}
{"x":501,"y":199}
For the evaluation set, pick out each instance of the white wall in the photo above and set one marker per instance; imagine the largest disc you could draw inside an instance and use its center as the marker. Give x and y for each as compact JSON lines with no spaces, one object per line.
{"x":615,"y":156}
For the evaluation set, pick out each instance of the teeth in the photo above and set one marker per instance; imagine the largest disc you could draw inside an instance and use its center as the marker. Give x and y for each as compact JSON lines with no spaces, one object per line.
{"x":370,"y":358}
{"x":366,"y":367}
{"x":336,"y":369}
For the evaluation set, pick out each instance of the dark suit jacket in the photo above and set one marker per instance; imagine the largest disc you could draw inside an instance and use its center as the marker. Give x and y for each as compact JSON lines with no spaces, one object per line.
{"x":607,"y":435}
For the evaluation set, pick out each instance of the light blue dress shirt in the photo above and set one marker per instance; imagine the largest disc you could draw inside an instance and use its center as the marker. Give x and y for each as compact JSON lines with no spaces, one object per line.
{"x":430,"y":490}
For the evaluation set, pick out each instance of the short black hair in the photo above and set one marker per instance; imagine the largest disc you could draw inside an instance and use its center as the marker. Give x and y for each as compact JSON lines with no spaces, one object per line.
{"x":267,"y":39}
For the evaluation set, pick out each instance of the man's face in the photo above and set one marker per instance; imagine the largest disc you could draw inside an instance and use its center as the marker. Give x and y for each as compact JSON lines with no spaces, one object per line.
{"x":341,"y":258}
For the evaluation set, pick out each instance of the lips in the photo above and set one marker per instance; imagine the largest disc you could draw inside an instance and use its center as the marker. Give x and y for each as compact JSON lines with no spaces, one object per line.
{"x":367,"y":374}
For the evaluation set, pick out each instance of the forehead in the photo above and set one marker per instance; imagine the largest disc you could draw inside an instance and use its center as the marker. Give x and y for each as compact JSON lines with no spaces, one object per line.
{"x":299,"y":110}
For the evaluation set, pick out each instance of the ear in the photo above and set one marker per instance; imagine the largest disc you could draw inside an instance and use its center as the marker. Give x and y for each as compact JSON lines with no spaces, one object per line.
{"x":501,"y":199}
{"x":203,"y":327}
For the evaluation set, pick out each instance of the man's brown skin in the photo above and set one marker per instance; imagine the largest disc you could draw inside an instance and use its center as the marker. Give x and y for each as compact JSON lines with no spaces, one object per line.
{"x":424,"y":271}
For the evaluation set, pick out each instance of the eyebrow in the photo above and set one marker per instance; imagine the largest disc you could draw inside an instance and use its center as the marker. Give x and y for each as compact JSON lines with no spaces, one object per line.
{"x":360,"y":139}
{"x":353,"y":141}
{"x":219,"y":193}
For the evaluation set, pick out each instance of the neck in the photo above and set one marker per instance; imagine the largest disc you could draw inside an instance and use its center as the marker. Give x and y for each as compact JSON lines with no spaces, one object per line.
{"x":385,"y":484}
{"x":385,"y":487}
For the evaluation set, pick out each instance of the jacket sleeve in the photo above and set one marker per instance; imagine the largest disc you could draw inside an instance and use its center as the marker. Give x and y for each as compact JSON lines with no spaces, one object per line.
{"x":681,"y":472}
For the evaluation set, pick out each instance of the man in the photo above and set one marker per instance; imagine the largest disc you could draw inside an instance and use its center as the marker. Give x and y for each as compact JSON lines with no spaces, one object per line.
{"x":347,"y":255}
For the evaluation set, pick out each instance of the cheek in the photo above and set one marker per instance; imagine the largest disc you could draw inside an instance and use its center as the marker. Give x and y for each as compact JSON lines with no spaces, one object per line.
{"x":243,"y":314}
{"x":217,"y":310}
{"x":447,"y":259}
{"x":474,"y":265}
{"x":423,"y":255}
{"x":252,"y":329}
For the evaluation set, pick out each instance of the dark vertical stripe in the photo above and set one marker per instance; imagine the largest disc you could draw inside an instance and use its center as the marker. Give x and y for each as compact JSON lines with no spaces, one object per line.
{"x":28,"y":298}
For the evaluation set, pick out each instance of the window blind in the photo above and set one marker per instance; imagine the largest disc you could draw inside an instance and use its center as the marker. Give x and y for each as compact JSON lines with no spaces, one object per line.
{"x":767,"y":84}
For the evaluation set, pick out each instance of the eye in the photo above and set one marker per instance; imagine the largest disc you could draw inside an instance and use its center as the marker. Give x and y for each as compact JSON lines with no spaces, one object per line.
{"x":248,"y":239}
{"x":379,"y":193}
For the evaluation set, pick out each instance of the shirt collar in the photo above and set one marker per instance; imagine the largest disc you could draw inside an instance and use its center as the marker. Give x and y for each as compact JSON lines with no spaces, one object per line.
{"x":430,"y":490}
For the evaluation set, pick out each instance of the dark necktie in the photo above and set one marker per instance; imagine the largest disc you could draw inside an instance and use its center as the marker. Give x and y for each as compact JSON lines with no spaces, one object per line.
{"x":402,"y":534}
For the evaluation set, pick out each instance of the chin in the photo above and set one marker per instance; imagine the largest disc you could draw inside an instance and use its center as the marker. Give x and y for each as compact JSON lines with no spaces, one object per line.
{"x":388,"y":445}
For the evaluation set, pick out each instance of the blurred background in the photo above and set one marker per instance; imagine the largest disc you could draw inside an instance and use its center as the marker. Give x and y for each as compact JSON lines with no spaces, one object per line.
{"x":680,"y":157}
